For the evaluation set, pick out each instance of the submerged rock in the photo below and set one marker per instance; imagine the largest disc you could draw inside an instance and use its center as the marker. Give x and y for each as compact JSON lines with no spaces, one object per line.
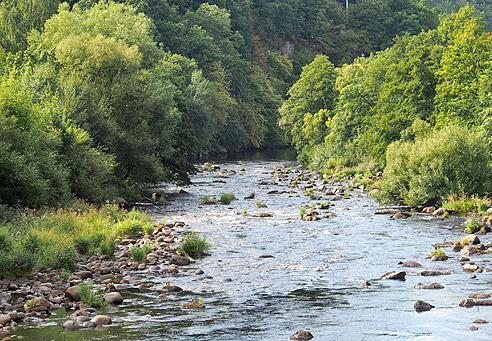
{"x":433,"y":285}
{"x":434,"y":273}
{"x":301,"y":335}
{"x":479,"y":296}
{"x":422,"y":306}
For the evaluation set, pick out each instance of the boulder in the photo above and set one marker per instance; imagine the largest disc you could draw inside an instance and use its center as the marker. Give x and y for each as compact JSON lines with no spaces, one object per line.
{"x":480,"y":321}
{"x":439,"y":211}
{"x":301,"y":335}
{"x":470,"y":267}
{"x":434,"y":273}
{"x":5,"y":319}
{"x":71,"y":325}
{"x":101,"y":320}
{"x":37,"y":304}
{"x":439,"y":258}
{"x":479,"y":296}
{"x":400,"y":215}
{"x":422,"y":306}
{"x":467,"y":303}
{"x":113,"y":297}
{"x":73,"y":293}
{"x":433,"y":285}
{"x":397,"y":275}
{"x":470,"y":239}
{"x":483,"y":302}
{"x":179,"y":260}
{"x":470,"y":250}
{"x":411,"y":264}
{"x":429,"y":209}
{"x":84,"y":274}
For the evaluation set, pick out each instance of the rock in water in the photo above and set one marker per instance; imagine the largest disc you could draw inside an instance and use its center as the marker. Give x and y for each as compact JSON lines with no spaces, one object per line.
{"x":470,"y":239}
{"x":179,"y":260}
{"x":73,"y":293}
{"x":422,"y":306}
{"x":301,"y":335}
{"x":113,"y":298}
{"x":101,"y":320}
{"x":433,"y":285}
{"x":399,"y":275}
{"x":467,"y":303}
{"x":411,"y":264}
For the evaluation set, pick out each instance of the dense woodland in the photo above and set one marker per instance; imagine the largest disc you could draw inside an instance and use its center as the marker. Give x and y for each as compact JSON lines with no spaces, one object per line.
{"x":98,"y":98}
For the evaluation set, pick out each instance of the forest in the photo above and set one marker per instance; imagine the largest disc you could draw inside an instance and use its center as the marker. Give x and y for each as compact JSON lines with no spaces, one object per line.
{"x":98,"y":99}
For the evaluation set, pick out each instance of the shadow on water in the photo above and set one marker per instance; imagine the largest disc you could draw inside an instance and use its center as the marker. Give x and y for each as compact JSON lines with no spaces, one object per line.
{"x":264,"y":154}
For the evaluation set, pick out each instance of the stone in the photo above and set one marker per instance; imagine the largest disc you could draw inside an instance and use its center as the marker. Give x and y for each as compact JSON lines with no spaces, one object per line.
{"x":480,"y":321}
{"x":433,"y":285}
{"x":172,"y":288}
{"x":470,"y":239}
{"x":37,"y":304}
{"x":467,"y":303}
{"x":429,"y":209}
{"x":179,"y":260}
{"x":199,"y":272}
{"x":84,"y":274}
{"x":439,"y":211}
{"x":439,"y":258}
{"x":82,"y":319}
{"x":193,"y":304}
{"x":387,"y":211}
{"x":479,"y":296}
{"x":73,"y":293}
{"x":396,"y":275}
{"x":470,"y":267}
{"x":421,"y":306}
{"x":89,"y":324}
{"x":301,"y":335}
{"x":470,"y":250}
{"x":400,"y":215}
{"x":411,"y":264}
{"x":434,"y":273}
{"x":113,"y":297}
{"x":101,"y":320}
{"x":71,"y":325}
{"x":483,"y":302}
{"x":473,"y":328}
{"x":5,"y":319}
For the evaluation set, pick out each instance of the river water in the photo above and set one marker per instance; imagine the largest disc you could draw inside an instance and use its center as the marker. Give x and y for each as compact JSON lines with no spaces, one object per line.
{"x":313,"y":281}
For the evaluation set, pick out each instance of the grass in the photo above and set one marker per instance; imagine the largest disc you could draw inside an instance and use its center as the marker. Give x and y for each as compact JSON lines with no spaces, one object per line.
{"x":472,"y":225}
{"x":89,"y":296}
{"x":193,"y":243}
{"x":54,"y":238}
{"x":463,"y":203}
{"x":138,"y":254}
{"x":438,"y":252}
{"x":302,"y":210}
{"x":208,"y":200}
{"x":260,"y":204}
{"x":227,"y":198}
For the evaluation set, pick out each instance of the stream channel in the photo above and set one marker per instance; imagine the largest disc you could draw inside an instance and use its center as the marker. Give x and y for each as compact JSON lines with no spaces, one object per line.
{"x":313,"y":281}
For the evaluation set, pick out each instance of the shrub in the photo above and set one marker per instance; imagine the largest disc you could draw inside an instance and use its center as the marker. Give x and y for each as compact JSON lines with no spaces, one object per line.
{"x":107,"y":246}
{"x":82,"y":244}
{"x":138,"y":254}
{"x":207,"y":200}
{"x":32,"y":242}
{"x":6,"y":242}
{"x":472,"y":225}
{"x":148,"y":228}
{"x":16,"y":262}
{"x":438,"y":252}
{"x":227,"y":198}
{"x":464,"y":203}
{"x":89,"y":296}
{"x":129,"y":226}
{"x":193,"y":244}
{"x":450,"y":161}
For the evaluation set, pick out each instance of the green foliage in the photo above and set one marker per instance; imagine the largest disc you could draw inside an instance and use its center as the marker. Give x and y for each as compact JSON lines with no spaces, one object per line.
{"x":438,"y":252}
{"x":451,"y":160}
{"x":302,"y":211}
{"x":138,"y":254}
{"x":194,"y":244}
{"x":89,"y":296}
{"x":16,"y":262}
{"x":207,"y":200}
{"x":463,"y":203}
{"x":227,"y":198}
{"x":472,"y":225}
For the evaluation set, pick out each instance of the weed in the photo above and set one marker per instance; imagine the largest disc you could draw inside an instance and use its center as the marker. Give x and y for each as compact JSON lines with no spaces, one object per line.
{"x":89,"y":296}
{"x":302,"y":210}
{"x":227,"y":198}
{"x":438,"y":252}
{"x":208,"y":200}
{"x":472,"y":225}
{"x":138,"y":254}
{"x":193,"y":244}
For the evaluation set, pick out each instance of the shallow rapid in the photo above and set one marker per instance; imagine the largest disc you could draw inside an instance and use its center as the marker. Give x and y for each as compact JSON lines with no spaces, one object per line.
{"x":267,"y":277}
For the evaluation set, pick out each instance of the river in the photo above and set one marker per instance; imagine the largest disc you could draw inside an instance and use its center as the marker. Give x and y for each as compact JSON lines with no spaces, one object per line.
{"x":313,"y":279}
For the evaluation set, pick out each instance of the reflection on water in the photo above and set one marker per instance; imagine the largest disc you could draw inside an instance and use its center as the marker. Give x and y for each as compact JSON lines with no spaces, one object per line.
{"x":313,"y":280}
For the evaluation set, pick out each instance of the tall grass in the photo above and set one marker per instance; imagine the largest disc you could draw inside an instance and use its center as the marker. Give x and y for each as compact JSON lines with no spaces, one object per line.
{"x":56,"y":237}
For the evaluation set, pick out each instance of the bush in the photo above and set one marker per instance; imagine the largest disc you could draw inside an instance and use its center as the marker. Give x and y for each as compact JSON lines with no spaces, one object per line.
{"x":138,"y":254}
{"x":89,"y":296}
{"x":227,"y":198}
{"x":32,"y":242}
{"x":82,"y":244}
{"x":17,"y":262}
{"x":193,"y":244}
{"x":463,"y":203}
{"x":207,"y":200}
{"x":6,"y":242}
{"x":450,"y":161}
